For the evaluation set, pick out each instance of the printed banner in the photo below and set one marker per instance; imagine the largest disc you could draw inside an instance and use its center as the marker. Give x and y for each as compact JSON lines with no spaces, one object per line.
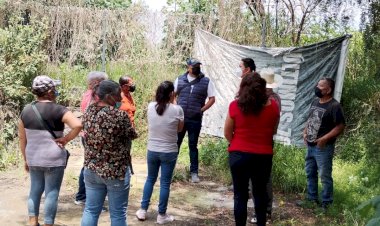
{"x":300,"y":69}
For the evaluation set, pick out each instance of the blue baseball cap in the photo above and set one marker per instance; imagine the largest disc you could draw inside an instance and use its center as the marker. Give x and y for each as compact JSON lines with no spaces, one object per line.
{"x":192,"y":61}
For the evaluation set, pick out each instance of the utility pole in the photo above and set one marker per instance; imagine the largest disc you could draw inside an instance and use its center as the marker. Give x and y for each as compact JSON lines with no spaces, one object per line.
{"x":263,"y":27}
{"x":276,"y":24}
{"x":104,"y":43}
{"x":263,"y":31}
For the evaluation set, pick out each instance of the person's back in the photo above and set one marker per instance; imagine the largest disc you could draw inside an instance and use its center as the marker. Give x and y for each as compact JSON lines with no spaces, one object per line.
{"x":88,"y":98}
{"x":253,"y":133}
{"x":165,"y":119}
{"x":41,"y":149}
{"x":107,"y":134}
{"x":250,"y":125}
{"x":163,"y":128}
{"x":42,"y":144}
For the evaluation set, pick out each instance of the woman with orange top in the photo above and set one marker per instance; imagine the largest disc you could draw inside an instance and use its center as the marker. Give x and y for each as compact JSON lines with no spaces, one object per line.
{"x":127,"y":104}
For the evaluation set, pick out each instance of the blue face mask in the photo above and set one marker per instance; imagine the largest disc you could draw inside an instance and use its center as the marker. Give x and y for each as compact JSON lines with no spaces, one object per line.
{"x":56,"y":93}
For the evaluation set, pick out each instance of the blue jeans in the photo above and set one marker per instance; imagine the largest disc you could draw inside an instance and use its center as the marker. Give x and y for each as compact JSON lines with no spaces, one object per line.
{"x":257,"y":168}
{"x":193,"y":129}
{"x":96,"y":190}
{"x":81,"y":194}
{"x":48,"y":179}
{"x":319,"y":161}
{"x":167,"y":163}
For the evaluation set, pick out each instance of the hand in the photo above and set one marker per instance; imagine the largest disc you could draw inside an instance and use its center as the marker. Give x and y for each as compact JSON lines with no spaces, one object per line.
{"x":321,"y":142}
{"x":304,"y":138}
{"x":61,"y":142}
{"x":26,"y":167}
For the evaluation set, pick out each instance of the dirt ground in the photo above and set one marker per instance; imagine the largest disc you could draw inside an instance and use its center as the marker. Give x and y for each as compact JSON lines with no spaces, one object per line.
{"x":206,"y":203}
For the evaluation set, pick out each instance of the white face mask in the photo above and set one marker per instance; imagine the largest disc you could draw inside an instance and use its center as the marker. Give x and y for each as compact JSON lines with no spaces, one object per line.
{"x":237,"y":72}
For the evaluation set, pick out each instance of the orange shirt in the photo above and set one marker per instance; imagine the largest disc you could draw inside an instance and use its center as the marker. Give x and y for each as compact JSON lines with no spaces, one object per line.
{"x":128,"y":105}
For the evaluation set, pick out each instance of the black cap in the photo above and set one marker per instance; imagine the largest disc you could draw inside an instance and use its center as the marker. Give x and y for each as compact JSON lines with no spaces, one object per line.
{"x":192,"y":61}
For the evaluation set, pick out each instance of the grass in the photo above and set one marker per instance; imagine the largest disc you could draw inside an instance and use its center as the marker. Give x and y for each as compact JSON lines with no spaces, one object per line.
{"x":354,"y":183}
{"x":355,"y":180}
{"x":10,"y":154}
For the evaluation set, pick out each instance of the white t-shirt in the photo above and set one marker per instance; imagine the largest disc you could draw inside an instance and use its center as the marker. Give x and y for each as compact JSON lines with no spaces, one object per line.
{"x":210,"y":87}
{"x":163,"y":129}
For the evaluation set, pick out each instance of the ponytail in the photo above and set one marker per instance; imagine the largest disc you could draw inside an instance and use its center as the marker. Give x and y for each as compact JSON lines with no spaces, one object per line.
{"x":163,"y":96}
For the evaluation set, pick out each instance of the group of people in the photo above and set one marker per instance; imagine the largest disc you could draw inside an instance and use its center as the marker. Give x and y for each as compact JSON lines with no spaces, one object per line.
{"x":108,"y":128}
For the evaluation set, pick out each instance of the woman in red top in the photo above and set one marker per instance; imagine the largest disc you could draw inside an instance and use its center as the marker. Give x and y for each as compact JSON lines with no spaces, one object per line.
{"x":249,"y":128}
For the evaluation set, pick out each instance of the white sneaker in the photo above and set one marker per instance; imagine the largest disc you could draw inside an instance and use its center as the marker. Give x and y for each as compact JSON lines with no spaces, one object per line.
{"x":141,"y":214}
{"x":80,"y":202}
{"x":194,"y":178}
{"x":163,"y":219}
{"x":254,"y":220}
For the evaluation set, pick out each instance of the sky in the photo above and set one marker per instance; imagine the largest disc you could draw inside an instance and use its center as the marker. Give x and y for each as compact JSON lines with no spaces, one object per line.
{"x":155,"y":5}
{"x":156,"y":33}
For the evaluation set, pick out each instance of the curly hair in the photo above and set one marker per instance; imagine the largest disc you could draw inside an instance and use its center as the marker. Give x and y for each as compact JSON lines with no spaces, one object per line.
{"x":252,"y":95}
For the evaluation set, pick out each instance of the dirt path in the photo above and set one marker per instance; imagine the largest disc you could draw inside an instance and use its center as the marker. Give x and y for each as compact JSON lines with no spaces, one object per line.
{"x":206,"y":203}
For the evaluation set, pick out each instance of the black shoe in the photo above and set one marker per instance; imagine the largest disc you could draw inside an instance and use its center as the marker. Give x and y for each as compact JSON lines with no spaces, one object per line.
{"x":326,"y":205}
{"x":269,"y":216}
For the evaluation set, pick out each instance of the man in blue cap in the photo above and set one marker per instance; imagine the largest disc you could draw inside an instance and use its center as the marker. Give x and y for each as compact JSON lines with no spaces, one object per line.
{"x":192,"y":89}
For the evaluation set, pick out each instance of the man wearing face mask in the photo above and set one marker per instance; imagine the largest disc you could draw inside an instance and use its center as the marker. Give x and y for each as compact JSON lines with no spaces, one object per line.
{"x":127,"y":104}
{"x":325,"y":123}
{"x":246,"y":66}
{"x":192,"y":90}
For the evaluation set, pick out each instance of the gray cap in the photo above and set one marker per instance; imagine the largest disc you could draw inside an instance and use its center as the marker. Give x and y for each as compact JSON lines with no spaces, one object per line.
{"x":43,"y":83}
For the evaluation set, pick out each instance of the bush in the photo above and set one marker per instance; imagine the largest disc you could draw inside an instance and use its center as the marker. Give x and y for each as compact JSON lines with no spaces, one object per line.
{"x":288,"y":164}
{"x":214,"y":155}
{"x":21,"y":59}
{"x":288,"y":169}
{"x":366,"y":207}
{"x":360,"y":101}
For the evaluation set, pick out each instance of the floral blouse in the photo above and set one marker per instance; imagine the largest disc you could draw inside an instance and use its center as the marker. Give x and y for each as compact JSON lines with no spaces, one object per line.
{"x":107,"y":134}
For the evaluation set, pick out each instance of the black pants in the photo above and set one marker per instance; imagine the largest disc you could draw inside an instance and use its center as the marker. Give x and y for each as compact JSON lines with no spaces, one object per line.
{"x":193,"y":129}
{"x":246,"y":166}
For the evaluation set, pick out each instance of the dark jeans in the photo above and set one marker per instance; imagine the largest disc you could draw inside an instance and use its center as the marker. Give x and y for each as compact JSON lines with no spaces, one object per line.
{"x":157,"y":160}
{"x":254,"y":167}
{"x":319,"y":160}
{"x":269,"y":192}
{"x":193,"y":129}
{"x":81,"y":194}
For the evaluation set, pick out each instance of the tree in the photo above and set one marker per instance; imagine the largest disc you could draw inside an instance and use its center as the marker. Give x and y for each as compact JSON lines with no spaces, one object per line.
{"x":372,"y":37}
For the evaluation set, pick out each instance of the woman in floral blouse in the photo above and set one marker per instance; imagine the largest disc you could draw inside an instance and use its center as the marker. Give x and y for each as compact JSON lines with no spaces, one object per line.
{"x":108,"y":133}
